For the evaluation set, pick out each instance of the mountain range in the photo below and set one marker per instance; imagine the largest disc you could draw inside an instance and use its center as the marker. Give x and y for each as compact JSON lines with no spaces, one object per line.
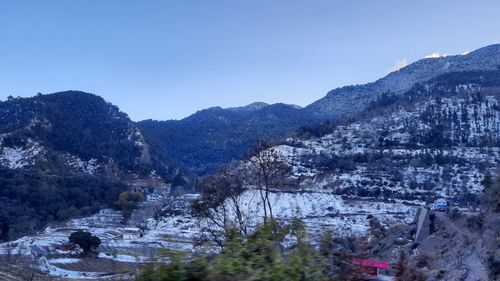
{"x":211,"y":137}
{"x":67,"y":154}
{"x":439,"y":139}
{"x":214,"y":136}
{"x":351,"y":99}
{"x":71,"y":153}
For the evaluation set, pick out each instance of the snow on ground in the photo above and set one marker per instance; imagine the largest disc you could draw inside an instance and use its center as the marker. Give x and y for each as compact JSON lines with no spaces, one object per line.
{"x":319,"y":210}
{"x":178,"y":230}
{"x":323,"y":209}
{"x":89,"y":167}
{"x":46,"y":266}
{"x":19,"y":157}
{"x":106,"y":224}
{"x":123,"y":258}
{"x":64,"y":260}
{"x":385,"y":156}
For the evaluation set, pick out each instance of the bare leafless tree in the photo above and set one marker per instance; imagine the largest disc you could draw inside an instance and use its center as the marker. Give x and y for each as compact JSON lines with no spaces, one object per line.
{"x":268,"y":173}
{"x":220,"y":204}
{"x":221,"y":201}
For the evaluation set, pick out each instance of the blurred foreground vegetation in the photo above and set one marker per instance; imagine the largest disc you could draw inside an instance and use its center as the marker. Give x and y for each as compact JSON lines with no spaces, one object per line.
{"x":261,"y":256}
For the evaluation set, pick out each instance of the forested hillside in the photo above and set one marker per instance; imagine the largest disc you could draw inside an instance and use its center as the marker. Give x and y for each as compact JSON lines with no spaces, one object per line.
{"x":214,"y":136}
{"x":77,"y":123}
{"x":211,"y":137}
{"x":67,"y":154}
{"x":439,"y":139}
{"x":353,"y":185}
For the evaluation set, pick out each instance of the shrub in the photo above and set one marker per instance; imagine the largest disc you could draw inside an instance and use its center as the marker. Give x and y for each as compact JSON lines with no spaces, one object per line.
{"x":454,"y":213}
{"x":259,"y":257}
{"x":127,"y":202}
{"x":85,"y":240}
{"x":491,"y":195}
{"x":475,"y":222}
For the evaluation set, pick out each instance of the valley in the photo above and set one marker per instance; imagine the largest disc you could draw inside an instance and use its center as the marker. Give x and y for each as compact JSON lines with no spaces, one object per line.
{"x":175,"y":230}
{"x":345,"y":178}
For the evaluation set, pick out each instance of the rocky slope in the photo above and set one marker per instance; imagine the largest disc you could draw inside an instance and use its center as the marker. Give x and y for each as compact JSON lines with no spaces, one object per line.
{"x":215,"y":136}
{"x":351,"y":99}
{"x":439,"y":139}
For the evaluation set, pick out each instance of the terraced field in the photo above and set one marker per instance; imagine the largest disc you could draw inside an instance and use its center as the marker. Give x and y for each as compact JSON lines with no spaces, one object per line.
{"x":21,"y":269}
{"x":99,"y":265}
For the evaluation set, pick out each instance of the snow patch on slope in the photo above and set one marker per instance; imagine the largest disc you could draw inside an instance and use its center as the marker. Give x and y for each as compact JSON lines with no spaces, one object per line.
{"x":89,"y":167}
{"x":19,"y":157}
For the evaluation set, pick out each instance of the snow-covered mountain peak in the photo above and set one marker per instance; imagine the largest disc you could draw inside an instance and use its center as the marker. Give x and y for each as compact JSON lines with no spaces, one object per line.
{"x":350,"y":99}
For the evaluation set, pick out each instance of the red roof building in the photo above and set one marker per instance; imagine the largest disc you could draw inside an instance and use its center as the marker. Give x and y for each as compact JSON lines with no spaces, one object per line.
{"x":371,"y":267}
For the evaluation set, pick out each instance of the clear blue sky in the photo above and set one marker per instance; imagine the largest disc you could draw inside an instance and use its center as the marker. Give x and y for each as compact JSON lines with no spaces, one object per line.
{"x":167,"y":59}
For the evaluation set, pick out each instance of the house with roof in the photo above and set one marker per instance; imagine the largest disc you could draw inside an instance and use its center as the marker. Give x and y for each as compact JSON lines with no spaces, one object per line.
{"x":131,"y":233}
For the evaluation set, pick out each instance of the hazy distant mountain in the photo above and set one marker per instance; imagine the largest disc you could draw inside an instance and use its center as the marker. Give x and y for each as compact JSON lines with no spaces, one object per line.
{"x":215,"y":136}
{"x":351,"y":99}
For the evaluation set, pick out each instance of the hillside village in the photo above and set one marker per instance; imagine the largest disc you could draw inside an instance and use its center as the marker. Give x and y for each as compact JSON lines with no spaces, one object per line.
{"x":406,"y":187}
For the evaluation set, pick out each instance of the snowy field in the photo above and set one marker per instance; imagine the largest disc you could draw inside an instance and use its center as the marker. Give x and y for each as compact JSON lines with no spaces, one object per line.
{"x":178,"y":229}
{"x":322,"y":211}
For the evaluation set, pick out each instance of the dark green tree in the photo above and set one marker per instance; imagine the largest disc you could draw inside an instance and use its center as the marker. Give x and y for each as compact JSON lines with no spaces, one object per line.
{"x":491,"y":195}
{"x":85,"y":240}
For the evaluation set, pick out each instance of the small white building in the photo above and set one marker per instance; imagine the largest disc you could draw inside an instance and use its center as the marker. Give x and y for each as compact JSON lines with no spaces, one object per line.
{"x":440,"y":205}
{"x":191,"y":196}
{"x":154,"y":197}
{"x":131,"y":233}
